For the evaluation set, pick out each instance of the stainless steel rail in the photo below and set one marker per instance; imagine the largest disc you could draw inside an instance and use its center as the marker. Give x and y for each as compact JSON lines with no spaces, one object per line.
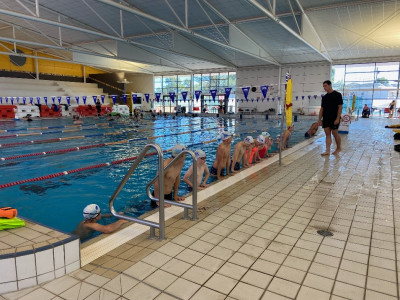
{"x":185,"y":206}
{"x":161,"y":224}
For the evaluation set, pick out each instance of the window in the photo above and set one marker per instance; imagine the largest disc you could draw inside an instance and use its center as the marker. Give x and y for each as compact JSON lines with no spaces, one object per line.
{"x":203,"y":82}
{"x":375,"y":84}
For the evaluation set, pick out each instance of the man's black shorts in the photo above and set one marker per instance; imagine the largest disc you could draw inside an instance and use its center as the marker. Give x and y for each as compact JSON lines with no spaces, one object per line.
{"x":330,"y":124}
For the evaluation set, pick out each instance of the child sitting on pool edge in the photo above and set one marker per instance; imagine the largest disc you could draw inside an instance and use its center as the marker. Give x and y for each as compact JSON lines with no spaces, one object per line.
{"x":201,"y":169}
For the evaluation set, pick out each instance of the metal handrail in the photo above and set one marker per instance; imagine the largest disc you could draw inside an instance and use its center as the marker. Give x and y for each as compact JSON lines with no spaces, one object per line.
{"x":186,"y":207}
{"x":161,"y":224}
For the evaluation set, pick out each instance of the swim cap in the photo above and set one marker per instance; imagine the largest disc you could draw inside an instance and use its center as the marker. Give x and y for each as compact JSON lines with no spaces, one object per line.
{"x":307,"y":135}
{"x":178,"y":148}
{"x":199,"y":154}
{"x":265,"y":134}
{"x":278,"y":136}
{"x":248,"y":140}
{"x":226,"y":135}
{"x":91,"y":211}
{"x":260,"y":139}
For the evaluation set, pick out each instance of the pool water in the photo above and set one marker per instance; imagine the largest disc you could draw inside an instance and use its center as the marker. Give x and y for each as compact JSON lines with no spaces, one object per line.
{"x":58,"y":202}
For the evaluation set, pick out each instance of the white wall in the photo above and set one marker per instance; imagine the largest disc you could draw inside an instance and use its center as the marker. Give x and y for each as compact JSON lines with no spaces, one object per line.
{"x":307,"y":81}
{"x":141,"y":83}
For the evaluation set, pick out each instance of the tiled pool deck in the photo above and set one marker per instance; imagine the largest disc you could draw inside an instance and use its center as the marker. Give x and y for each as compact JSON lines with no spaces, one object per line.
{"x":258,"y":239}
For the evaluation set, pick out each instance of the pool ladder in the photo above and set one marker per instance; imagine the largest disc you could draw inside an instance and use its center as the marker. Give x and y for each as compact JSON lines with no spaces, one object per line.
{"x":161,"y":201}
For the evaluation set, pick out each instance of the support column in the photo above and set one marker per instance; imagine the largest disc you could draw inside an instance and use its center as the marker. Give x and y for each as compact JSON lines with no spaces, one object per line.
{"x":84,"y":73}
{"x":36,"y":66}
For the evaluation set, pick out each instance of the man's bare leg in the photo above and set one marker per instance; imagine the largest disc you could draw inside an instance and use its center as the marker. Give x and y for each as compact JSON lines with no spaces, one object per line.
{"x":328,"y":141}
{"x":337,"y":140}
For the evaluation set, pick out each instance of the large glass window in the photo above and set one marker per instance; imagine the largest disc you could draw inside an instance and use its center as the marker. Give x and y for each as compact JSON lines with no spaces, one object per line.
{"x":375,"y":84}
{"x":189,"y":83}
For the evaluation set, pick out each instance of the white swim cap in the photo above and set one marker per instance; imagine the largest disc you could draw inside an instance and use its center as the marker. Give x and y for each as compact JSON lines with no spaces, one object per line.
{"x":178,"y":148}
{"x":278,"y":136}
{"x":260,"y":139}
{"x":199,"y":154}
{"x":265,"y":134}
{"x":226,"y":135}
{"x":91,"y":211}
{"x":248,"y":140}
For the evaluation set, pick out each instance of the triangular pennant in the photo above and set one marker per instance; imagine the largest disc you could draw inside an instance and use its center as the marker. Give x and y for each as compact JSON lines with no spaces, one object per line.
{"x":184,"y":96}
{"x":172,"y":96}
{"x":264,"y":90}
{"x":197,"y":95}
{"x":245,"y":91}
{"x":147,"y":96}
{"x":227,"y":92}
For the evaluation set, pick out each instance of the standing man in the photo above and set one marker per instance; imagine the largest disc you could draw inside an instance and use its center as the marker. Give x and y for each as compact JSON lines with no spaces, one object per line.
{"x":329,"y":116}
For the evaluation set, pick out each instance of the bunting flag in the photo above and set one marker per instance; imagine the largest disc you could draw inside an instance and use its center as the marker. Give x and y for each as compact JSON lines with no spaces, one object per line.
{"x":289,"y":103}
{"x":172,"y":96}
{"x":53,"y":98}
{"x":315,"y":96}
{"x":94,"y":99}
{"x":228,"y":92}
{"x":68,"y":100}
{"x":114,"y":98}
{"x":6,"y":99}
{"x":213,"y":93}
{"x":242,"y":100}
{"x":77,"y":99}
{"x":45,"y":100}
{"x":322,"y":95}
{"x":38,"y":100}
{"x":124,"y":97}
{"x":309,"y":97}
{"x":59,"y":99}
{"x":252,"y":99}
{"x":197,"y":95}
{"x":273,"y":99}
{"x":279,"y":98}
{"x":158,"y":96}
{"x":264,"y":90}
{"x":134,"y":98}
{"x":18,"y":100}
{"x":297,"y":97}
{"x":103,"y":97}
{"x":12,"y":100}
{"x":31,"y":100}
{"x":147,"y":96}
{"x":24,"y":100}
{"x":302,"y":97}
{"x":184,"y":96}
{"x":84,"y":99}
{"x":267,"y":99}
{"x":246,"y":91}
{"x":1,"y":100}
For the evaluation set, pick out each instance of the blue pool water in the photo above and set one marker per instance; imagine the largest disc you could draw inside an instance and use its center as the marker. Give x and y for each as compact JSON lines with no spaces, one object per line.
{"x":58,"y":202}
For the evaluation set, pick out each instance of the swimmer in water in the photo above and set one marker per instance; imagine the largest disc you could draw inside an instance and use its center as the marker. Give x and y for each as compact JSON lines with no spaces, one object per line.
{"x":89,"y":225}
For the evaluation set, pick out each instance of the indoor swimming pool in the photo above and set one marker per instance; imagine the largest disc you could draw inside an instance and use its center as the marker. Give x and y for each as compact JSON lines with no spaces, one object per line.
{"x":50,"y":181}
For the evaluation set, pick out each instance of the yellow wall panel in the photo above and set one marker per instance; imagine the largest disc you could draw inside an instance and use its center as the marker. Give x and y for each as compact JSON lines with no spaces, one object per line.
{"x":45,"y":66}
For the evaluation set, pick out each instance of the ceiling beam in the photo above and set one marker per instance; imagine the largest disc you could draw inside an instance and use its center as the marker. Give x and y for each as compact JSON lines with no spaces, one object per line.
{"x":312,"y":30}
{"x":236,"y":32}
{"x":287,"y":28}
{"x":136,"y":11}
{"x":100,"y":34}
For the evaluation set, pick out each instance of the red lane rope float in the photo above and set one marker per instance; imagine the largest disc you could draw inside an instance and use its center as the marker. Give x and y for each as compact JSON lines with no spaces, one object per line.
{"x":115,"y":162}
{"x":83,"y":136}
{"x":91,"y":146}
